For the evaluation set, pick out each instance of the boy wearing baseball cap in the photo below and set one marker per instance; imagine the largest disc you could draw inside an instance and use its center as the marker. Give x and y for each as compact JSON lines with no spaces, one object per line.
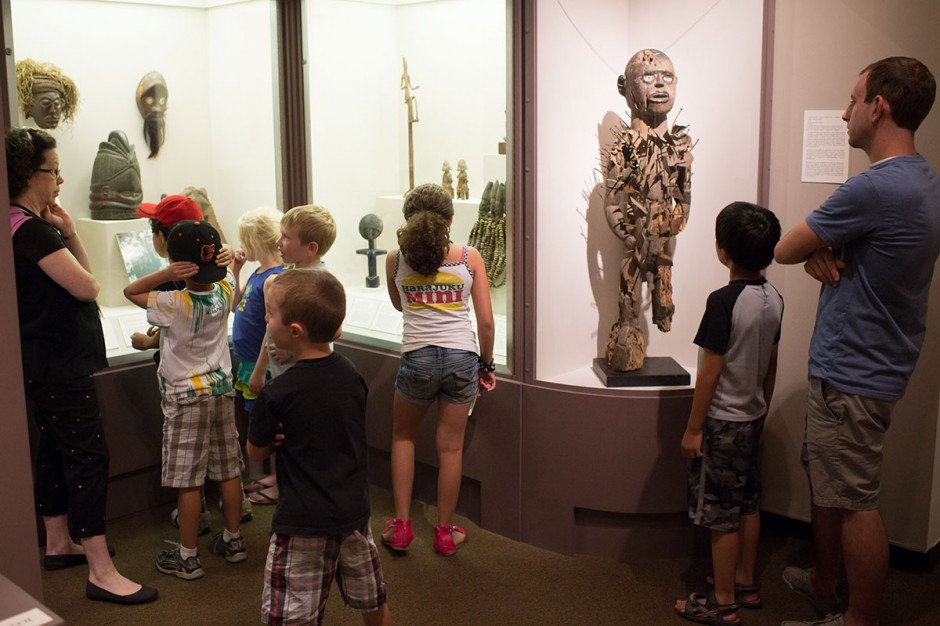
{"x":199,"y":434}
{"x":163,"y":216}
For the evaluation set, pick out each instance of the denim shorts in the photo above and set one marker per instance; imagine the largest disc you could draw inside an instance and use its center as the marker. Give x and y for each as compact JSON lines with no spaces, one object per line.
{"x":431,"y":371}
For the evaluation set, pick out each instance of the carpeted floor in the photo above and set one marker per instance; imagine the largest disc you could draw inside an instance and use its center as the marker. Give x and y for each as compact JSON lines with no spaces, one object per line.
{"x":490,"y":581}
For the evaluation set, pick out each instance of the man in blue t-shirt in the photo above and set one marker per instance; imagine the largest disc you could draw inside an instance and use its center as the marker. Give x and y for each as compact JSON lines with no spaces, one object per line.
{"x":872,"y":244}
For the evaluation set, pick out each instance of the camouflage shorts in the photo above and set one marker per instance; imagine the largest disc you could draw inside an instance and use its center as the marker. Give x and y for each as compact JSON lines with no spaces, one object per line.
{"x":724,"y":483}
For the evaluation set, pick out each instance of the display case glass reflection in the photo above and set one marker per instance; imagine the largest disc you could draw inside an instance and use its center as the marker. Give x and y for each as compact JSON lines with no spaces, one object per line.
{"x":402,"y":94}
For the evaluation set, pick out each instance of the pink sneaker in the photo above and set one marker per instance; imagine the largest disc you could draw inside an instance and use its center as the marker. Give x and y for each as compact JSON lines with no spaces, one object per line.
{"x":445,"y":541}
{"x":397,"y":534}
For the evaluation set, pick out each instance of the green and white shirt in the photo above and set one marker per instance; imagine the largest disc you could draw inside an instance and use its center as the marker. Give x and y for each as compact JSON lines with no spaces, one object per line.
{"x":194,"y":351}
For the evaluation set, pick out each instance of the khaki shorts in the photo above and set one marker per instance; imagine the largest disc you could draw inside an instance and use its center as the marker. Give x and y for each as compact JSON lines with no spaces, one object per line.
{"x":200,"y":439}
{"x":842,"y":447}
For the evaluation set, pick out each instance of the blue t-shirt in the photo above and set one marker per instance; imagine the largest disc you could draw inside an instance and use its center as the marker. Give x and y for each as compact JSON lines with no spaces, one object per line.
{"x":885,"y":225}
{"x":249,"y":327}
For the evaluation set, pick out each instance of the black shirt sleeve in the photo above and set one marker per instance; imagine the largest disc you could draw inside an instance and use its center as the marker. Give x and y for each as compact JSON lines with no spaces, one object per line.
{"x":36,"y":239}
{"x":714,"y":331}
{"x":261,"y":426}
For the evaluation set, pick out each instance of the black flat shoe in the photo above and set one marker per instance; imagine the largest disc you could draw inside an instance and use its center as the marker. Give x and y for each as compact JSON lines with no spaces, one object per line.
{"x":141,"y":596}
{"x":61,"y":561}
{"x":52,"y":562}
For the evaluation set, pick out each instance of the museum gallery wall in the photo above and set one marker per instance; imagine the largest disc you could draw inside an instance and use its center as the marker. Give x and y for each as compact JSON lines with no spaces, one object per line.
{"x":218,"y":65}
{"x":808,"y":75}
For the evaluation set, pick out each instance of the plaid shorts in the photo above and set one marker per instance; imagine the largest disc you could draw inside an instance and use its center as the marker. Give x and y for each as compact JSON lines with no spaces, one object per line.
{"x":199,"y":440}
{"x":299,"y":572}
{"x":724,"y":483}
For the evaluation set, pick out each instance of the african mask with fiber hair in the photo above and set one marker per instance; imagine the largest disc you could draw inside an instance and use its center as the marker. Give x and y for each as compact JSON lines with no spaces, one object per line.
{"x":151,"y":102}
{"x":45,"y":93}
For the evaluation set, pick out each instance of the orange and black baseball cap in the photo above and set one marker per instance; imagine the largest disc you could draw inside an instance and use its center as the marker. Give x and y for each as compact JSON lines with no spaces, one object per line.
{"x":170,"y":210}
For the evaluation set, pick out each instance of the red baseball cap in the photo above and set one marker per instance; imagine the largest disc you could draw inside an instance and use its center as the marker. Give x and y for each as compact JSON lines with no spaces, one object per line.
{"x":170,"y":210}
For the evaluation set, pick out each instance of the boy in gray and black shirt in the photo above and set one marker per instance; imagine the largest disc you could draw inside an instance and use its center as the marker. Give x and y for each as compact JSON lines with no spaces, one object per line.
{"x":738,"y":338}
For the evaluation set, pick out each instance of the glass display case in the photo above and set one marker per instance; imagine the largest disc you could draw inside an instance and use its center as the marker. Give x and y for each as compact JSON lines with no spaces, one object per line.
{"x":218,"y":62}
{"x":396,"y":92}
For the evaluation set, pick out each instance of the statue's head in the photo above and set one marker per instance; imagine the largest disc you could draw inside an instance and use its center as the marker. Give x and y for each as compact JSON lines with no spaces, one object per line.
{"x":152,"y":95}
{"x":45,"y":93}
{"x":649,"y":85}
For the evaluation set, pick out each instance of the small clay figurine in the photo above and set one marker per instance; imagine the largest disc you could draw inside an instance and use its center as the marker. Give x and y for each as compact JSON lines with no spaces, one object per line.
{"x":152,"y":95}
{"x":115,"y":188}
{"x":45,"y":93}
{"x":463,"y":187}
{"x":370,"y":227}
{"x":447,"y":180}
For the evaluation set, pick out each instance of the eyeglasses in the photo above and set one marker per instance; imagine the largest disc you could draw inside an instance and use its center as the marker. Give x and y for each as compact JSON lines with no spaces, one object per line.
{"x":56,"y":172}
{"x":665,"y":77}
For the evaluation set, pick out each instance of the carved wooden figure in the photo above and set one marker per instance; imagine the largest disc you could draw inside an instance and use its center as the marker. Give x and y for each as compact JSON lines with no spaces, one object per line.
{"x":648,"y":192}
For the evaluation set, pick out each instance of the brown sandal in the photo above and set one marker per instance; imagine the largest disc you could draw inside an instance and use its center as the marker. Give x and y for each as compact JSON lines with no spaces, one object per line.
{"x":704,"y":609}
{"x":741,"y":590}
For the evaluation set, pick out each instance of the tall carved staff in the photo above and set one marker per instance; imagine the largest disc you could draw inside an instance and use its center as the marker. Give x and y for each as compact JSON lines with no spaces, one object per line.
{"x":412,"y":118}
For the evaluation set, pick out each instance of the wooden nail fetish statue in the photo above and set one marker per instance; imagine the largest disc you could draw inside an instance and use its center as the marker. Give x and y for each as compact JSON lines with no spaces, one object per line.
{"x":45,"y":94}
{"x":647,"y":198}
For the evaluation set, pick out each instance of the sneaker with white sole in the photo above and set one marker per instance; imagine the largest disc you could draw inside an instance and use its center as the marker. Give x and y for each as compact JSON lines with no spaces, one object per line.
{"x":204,"y":526}
{"x":233,"y":549}
{"x":172,"y":563}
{"x":801,"y":581}
{"x":829,"y":620}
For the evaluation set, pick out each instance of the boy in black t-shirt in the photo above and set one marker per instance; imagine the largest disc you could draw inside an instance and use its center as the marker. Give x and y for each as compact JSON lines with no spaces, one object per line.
{"x":316,"y":411}
{"x":738,"y":338}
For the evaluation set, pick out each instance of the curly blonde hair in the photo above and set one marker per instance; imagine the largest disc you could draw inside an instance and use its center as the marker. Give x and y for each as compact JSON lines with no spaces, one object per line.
{"x":27,"y":73}
{"x":259,"y":230}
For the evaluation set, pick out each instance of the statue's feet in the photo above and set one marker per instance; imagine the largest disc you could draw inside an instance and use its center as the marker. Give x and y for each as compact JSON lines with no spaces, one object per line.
{"x":626,"y":348}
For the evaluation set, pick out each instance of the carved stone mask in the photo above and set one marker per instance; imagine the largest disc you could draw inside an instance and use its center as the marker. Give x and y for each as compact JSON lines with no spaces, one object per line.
{"x":649,"y":85}
{"x":152,"y":95}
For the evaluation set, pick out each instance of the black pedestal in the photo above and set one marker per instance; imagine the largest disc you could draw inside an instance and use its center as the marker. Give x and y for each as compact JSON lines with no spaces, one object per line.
{"x":657,"y":371}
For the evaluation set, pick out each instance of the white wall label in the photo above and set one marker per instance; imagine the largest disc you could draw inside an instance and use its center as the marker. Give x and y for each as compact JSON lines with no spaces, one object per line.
{"x":825,"y":148}
{"x":32,"y":617}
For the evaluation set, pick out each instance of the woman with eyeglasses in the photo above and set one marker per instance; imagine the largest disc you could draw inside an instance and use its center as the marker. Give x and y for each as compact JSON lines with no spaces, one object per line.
{"x":62,"y":345}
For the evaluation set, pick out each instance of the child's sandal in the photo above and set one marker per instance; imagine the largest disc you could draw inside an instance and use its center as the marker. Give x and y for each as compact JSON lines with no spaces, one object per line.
{"x":704,"y":609}
{"x":741,"y":590}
